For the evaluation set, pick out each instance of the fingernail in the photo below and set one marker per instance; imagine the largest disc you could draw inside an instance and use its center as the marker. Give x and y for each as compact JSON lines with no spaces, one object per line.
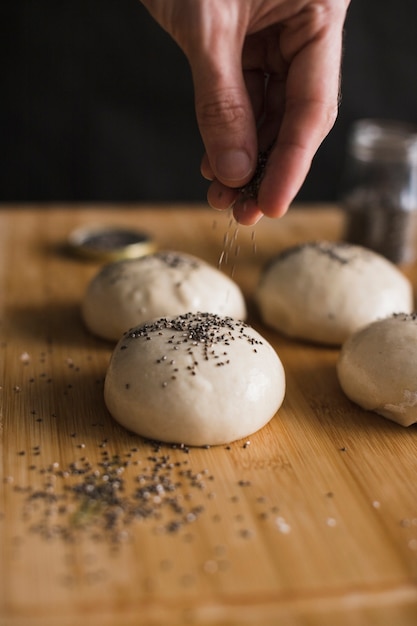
{"x":233,"y":165}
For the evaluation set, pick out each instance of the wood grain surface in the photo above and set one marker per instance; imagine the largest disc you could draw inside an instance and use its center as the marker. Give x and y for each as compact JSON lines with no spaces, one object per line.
{"x":311,"y":521}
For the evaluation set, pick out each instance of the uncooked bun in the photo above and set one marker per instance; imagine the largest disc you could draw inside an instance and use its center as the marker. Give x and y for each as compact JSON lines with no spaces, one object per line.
{"x":324,"y":291}
{"x":196,"y":379}
{"x":377,"y":368}
{"x":130,"y":292}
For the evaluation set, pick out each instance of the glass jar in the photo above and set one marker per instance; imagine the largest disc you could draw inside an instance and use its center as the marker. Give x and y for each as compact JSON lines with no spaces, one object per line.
{"x":380,"y":188}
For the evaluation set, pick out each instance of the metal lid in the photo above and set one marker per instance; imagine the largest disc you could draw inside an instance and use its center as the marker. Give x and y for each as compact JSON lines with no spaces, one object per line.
{"x":110,"y":243}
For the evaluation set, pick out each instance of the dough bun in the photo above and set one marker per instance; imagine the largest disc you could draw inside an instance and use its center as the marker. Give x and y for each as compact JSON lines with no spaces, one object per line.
{"x":130,"y":292}
{"x":324,"y":291}
{"x":377,"y":368}
{"x":196,"y":379}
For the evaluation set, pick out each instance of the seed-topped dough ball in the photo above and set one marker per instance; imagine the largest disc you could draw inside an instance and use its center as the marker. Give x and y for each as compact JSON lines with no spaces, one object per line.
{"x":132,"y":291}
{"x":324,"y":291}
{"x":377,"y":368}
{"x":197,"y":379}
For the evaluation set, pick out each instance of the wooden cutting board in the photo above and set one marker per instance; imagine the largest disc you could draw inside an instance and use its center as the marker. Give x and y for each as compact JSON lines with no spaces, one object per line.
{"x":312,"y":520}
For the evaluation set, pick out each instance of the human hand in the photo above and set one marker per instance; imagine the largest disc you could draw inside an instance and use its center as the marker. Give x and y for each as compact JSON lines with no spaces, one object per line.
{"x":265,"y":73}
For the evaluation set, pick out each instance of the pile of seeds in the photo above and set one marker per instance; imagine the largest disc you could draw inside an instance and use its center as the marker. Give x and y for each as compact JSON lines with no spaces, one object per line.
{"x":205,"y":336}
{"x":198,"y":329}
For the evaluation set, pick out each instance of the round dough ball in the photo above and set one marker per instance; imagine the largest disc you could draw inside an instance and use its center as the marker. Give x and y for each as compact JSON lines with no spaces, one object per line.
{"x":132,"y":291}
{"x":197,"y":379}
{"x":377,"y":368}
{"x":324,"y":291}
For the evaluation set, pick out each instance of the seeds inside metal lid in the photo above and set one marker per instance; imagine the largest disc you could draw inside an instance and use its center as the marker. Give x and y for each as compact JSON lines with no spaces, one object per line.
{"x":110,"y":243}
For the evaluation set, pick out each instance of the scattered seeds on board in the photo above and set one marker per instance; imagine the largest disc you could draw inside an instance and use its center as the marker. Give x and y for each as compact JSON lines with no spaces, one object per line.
{"x":103,"y":500}
{"x":97,"y":499}
{"x":145,"y":487}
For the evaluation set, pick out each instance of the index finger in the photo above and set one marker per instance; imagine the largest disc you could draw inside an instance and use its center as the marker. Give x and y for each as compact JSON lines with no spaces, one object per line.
{"x":310,"y":110}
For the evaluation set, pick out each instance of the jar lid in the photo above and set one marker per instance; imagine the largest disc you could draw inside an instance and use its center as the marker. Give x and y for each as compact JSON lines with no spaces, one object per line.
{"x":110,"y":243}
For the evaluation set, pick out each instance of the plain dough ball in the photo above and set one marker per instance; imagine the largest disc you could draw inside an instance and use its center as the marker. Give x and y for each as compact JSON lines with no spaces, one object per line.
{"x":324,"y":291}
{"x":130,"y":292}
{"x":377,"y":368}
{"x":196,"y":379}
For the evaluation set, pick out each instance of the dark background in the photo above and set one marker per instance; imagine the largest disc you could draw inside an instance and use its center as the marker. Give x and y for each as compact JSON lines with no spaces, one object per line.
{"x":96,"y":100}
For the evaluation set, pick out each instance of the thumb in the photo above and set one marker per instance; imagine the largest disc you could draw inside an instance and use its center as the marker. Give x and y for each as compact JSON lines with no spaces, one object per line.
{"x":224,"y":115}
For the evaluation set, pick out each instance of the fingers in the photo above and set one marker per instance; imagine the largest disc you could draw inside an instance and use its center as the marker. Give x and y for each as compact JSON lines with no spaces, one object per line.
{"x":224,"y":112}
{"x":310,"y":110}
{"x":303,"y":130}
{"x":299,"y":111}
{"x":247,"y":212}
{"x":245,"y":209}
{"x":300,"y":45}
{"x":224,"y":119}
{"x":220,"y":196}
